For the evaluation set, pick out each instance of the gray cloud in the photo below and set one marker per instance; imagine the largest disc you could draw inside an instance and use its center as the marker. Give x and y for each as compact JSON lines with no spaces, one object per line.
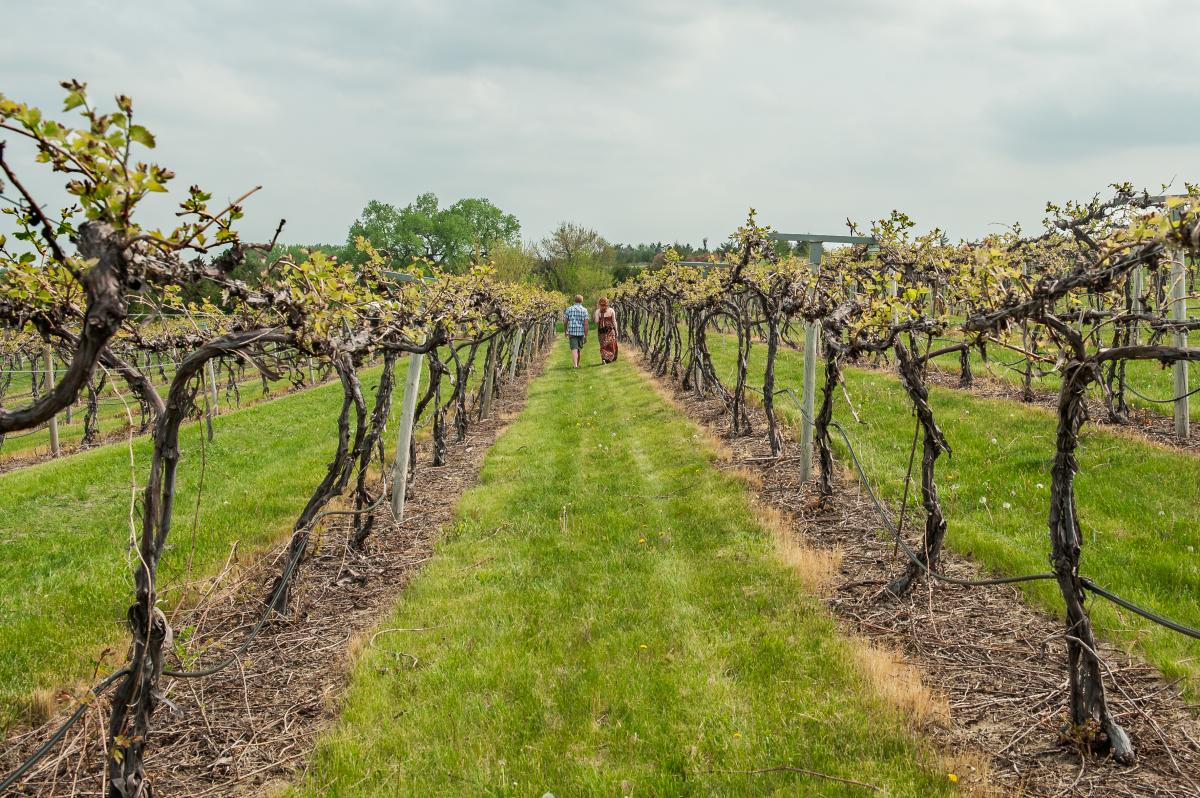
{"x":645,"y":120}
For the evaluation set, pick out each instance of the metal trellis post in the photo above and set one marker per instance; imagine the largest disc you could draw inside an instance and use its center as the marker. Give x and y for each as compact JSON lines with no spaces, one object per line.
{"x":1180,"y":368}
{"x":54,"y":450}
{"x":812,"y":336}
{"x":408,"y":413}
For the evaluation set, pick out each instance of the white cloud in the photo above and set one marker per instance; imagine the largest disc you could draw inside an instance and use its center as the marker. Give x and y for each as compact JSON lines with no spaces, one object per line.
{"x":645,"y":120}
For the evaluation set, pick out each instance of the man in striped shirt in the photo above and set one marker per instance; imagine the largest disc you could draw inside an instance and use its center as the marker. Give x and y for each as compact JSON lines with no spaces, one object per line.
{"x":577,"y":326}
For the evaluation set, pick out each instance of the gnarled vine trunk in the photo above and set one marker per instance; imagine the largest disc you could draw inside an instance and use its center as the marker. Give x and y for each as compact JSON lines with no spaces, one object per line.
{"x":337,"y":476}
{"x":1091,"y":721}
{"x":933,"y":443}
{"x":364,"y":521}
{"x":137,"y":695}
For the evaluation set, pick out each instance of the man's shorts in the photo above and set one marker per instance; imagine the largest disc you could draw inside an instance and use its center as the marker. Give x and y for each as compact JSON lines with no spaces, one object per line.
{"x":576,"y":342}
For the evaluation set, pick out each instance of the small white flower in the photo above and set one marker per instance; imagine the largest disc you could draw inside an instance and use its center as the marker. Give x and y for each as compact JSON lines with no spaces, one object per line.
{"x":1040,"y":486}
{"x":1161,"y":513}
{"x":993,"y":441}
{"x":1006,"y":506}
{"x":983,"y":499}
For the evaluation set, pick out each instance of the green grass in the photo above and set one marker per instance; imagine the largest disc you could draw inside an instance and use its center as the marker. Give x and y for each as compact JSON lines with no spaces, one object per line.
{"x":112,"y":412}
{"x":1148,"y":377}
{"x":65,"y":567}
{"x":607,"y":610}
{"x":1139,"y":503}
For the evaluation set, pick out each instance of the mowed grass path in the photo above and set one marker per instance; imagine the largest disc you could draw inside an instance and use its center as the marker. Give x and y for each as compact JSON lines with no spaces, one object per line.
{"x":65,"y":561}
{"x":608,"y":618}
{"x":1139,"y":504}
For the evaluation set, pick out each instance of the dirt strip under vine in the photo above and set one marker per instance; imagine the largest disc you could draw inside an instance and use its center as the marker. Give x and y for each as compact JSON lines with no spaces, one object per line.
{"x":998,"y":662}
{"x":254,"y":724}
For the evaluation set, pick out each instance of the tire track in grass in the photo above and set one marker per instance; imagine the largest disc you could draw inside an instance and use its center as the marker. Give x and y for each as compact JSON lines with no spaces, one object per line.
{"x":611,"y":619}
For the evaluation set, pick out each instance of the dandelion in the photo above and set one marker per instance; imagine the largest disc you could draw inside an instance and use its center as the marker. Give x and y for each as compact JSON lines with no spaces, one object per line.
{"x":737,"y":734}
{"x":983,"y":500}
{"x":1040,"y":486}
{"x":1006,"y":506}
{"x":641,"y":540}
{"x":953,"y":777}
{"x":993,"y":441}
{"x":643,"y":645}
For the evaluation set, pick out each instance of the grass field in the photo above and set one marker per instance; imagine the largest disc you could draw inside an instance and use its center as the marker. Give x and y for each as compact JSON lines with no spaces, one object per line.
{"x":65,"y":569}
{"x":609,"y":618}
{"x":1139,"y":503}
{"x":113,"y":413}
{"x":1147,"y":377}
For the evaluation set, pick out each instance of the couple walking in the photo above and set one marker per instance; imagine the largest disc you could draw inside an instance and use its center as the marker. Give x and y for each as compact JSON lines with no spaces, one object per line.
{"x":606,"y":326}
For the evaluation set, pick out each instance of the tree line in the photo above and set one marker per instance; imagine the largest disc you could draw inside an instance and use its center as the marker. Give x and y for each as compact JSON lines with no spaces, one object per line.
{"x":572,"y":259}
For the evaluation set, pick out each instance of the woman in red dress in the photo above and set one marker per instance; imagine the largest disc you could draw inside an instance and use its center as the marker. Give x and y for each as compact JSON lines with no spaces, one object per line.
{"x":606,"y":326}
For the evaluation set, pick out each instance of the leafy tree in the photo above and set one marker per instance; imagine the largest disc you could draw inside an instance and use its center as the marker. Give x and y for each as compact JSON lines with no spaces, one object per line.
{"x":625,"y":271}
{"x":489,"y":226}
{"x":449,"y":237}
{"x":515,"y":263}
{"x":575,"y":260}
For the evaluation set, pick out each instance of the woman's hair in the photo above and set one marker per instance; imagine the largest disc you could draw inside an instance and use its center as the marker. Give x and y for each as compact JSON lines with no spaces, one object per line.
{"x":603,"y":301}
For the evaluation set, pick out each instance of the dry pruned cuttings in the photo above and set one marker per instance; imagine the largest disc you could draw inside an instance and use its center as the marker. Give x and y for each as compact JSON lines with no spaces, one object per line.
{"x":303,"y":309}
{"x":1071,"y":298}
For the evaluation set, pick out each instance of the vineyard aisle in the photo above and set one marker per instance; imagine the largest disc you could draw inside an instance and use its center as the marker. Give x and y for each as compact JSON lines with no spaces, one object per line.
{"x":608,"y":617}
{"x":61,"y":524}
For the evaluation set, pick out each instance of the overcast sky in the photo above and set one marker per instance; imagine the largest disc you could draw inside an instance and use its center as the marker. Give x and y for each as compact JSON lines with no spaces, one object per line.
{"x":645,"y":120}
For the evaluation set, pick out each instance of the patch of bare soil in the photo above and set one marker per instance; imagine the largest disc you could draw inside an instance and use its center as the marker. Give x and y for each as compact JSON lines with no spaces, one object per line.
{"x":254,"y":724}
{"x":999,"y":664}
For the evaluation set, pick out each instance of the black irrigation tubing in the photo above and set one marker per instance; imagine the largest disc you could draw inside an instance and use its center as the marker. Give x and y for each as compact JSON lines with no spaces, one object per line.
{"x":893,"y":528}
{"x":26,"y":434}
{"x":283,"y":582}
{"x":1088,"y":584}
{"x":95,"y":692}
{"x":1175,"y":626}
{"x":258,"y":627}
{"x":1012,"y":364}
{"x":1141,"y":395}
